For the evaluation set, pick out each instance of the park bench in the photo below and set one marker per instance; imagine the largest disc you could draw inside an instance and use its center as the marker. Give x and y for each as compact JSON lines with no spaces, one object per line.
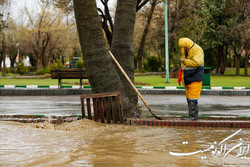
{"x":76,"y":73}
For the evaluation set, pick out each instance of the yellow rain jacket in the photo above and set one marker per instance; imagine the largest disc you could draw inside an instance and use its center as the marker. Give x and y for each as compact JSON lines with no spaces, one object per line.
{"x":193,"y":67}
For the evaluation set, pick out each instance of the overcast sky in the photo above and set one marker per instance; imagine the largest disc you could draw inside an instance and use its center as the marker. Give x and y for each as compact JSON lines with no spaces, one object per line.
{"x":31,"y":3}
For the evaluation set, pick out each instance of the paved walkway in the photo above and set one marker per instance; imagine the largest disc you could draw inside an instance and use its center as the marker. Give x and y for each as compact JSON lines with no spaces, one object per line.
{"x":232,"y":105}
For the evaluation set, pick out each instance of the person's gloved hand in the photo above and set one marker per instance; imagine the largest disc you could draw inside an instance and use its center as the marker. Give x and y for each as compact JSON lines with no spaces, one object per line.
{"x":179,"y":78}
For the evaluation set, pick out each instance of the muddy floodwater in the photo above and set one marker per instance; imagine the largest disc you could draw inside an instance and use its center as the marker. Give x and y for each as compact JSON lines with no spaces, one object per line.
{"x":87,"y":143}
{"x":91,"y":144}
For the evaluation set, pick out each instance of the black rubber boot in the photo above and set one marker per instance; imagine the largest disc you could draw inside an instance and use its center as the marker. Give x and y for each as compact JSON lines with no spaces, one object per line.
{"x":193,"y":110}
{"x":196,"y":112}
{"x":188,"y":101}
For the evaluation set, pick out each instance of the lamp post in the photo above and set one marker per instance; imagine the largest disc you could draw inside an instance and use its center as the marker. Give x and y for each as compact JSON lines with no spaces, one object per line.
{"x":166,"y":43}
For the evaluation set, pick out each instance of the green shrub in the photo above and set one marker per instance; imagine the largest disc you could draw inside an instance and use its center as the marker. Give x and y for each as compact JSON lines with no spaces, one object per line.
{"x":21,"y":69}
{"x":136,"y":71}
{"x":40,"y":72}
{"x":143,"y":71}
{"x":210,"y":58}
{"x":79,"y":63}
{"x":139,"y":108}
{"x":57,"y":64}
{"x":54,"y":65}
{"x":153,"y":64}
{"x":31,"y":69}
{"x":7,"y":70}
{"x":43,"y":71}
{"x":47,"y":70}
{"x":13,"y":70}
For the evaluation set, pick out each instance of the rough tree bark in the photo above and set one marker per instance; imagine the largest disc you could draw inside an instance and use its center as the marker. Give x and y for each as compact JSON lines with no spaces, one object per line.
{"x":3,"y":56}
{"x":122,"y":43}
{"x":246,"y":60}
{"x":101,"y":71}
{"x":237,"y":64}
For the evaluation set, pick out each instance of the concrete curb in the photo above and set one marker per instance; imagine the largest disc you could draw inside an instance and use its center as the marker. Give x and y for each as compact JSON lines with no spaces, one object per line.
{"x":146,"y":122}
{"x":138,"y":87}
{"x":34,"y":90}
{"x":189,"y":123}
{"x":57,"y":121}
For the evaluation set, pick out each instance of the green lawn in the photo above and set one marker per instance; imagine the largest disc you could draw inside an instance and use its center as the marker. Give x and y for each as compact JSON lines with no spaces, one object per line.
{"x":232,"y":71}
{"x":216,"y":81}
{"x":227,"y":80}
{"x":41,"y":82}
{"x":152,"y":80}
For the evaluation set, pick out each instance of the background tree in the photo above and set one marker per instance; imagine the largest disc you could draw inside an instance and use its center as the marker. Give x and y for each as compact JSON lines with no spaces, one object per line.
{"x":144,"y":35}
{"x":40,"y":32}
{"x":11,"y":43}
{"x":49,"y":35}
{"x":209,"y":21}
{"x":100,"y":69}
{"x":5,"y":9}
{"x":107,"y":21}
{"x":156,"y":42}
{"x":177,"y":11}
{"x":237,"y":31}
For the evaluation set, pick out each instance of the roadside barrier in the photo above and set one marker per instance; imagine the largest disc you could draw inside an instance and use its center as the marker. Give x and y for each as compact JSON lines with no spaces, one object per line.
{"x":206,"y":122}
{"x":139,"y":87}
{"x":107,"y":107}
{"x":17,"y":90}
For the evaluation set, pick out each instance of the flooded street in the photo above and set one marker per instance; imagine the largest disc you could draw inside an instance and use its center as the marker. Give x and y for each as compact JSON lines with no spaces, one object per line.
{"x":167,"y":105}
{"x":87,"y":143}
{"x":176,"y":105}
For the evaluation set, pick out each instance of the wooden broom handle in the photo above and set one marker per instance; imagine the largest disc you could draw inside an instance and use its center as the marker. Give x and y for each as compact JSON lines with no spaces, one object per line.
{"x":131,"y":83}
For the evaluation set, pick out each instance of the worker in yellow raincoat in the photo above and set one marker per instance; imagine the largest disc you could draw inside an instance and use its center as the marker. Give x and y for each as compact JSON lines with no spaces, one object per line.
{"x":191,"y":73}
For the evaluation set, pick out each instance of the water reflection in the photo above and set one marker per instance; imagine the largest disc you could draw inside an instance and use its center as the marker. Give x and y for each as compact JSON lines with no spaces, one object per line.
{"x":87,"y":143}
{"x":205,"y":110}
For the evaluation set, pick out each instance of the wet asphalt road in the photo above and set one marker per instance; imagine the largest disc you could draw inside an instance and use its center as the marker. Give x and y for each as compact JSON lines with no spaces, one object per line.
{"x":169,"y":105}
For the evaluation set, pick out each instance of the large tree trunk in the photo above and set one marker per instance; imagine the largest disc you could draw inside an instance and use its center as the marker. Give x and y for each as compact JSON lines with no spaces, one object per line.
{"x":39,"y":64}
{"x":100,"y":69}
{"x":223,"y":61}
{"x":1,"y":59}
{"x":237,"y":64}
{"x":12,"y":59}
{"x":218,"y":60}
{"x":3,"y":56}
{"x":246,"y":60}
{"x":4,"y":64}
{"x":144,"y":36}
{"x":122,"y":43}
